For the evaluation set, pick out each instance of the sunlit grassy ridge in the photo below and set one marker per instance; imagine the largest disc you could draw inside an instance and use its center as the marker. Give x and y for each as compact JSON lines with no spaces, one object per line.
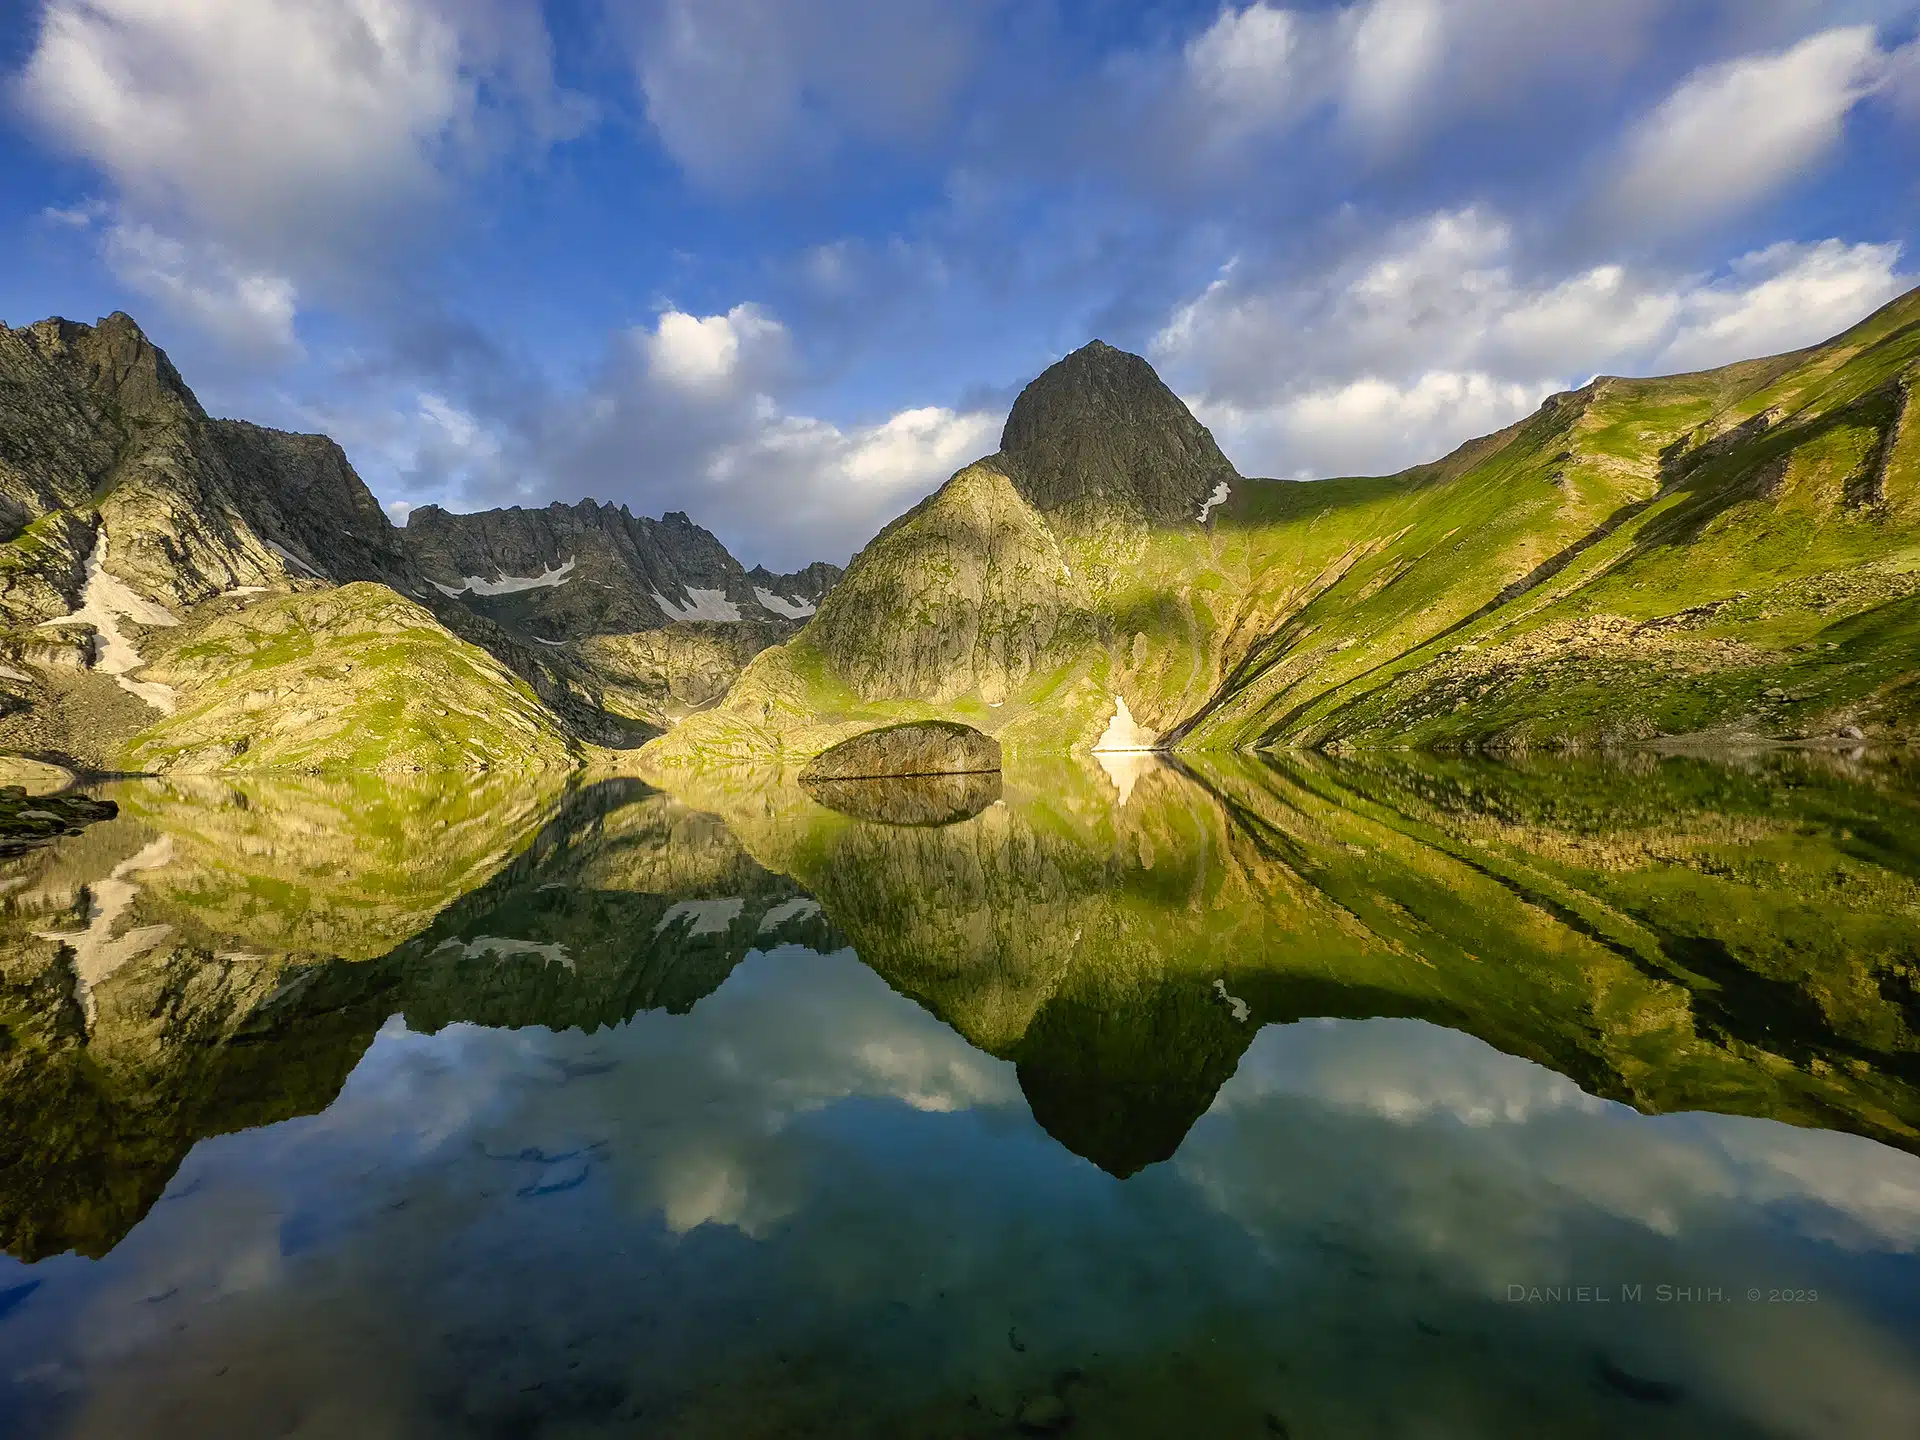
{"x":1733,"y":554}
{"x":350,"y":679}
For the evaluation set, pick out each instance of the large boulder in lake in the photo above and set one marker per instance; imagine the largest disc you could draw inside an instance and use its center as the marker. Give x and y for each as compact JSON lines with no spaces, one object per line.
{"x":920,"y":747}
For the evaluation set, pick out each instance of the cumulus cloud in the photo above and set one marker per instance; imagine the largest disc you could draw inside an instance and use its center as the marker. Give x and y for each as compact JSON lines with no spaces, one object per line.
{"x":1385,"y":66}
{"x":1734,"y":132}
{"x":1781,"y":298}
{"x":1440,"y":335}
{"x":688,"y":412}
{"x":246,"y":113}
{"x":1244,"y":63}
{"x":703,"y":399}
{"x":801,"y":487}
{"x":713,"y":353}
{"x":1396,"y":45}
{"x":292,"y":136}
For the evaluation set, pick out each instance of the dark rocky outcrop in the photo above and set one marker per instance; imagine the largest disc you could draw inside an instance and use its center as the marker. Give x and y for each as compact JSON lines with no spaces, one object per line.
{"x":919,"y":747}
{"x":29,"y":820}
{"x":1100,"y":429}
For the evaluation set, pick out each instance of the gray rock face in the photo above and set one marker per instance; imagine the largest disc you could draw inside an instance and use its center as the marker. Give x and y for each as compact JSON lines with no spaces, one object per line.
{"x":604,"y":570}
{"x":919,"y":747}
{"x":99,"y":436}
{"x":1099,"y":430}
{"x":108,"y":461}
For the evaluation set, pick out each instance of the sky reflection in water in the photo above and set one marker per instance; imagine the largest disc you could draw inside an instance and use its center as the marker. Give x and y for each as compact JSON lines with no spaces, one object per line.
{"x":808,"y":1205}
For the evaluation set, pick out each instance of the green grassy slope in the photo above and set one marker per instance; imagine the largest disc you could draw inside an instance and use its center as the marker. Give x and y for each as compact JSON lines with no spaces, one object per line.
{"x":353,"y":678}
{"x":1733,"y":555}
{"x":1735,"y":552}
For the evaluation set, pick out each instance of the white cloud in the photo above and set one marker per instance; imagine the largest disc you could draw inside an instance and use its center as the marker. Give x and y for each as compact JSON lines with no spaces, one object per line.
{"x":798,"y":479}
{"x":459,"y":429}
{"x":1782,"y":298}
{"x":251,"y":310}
{"x":433,"y":450}
{"x":1243,"y":62}
{"x":76,"y":217}
{"x":1396,"y":46}
{"x":1600,"y":312}
{"x":244,"y":113}
{"x":1437,"y":336}
{"x":692,"y":413}
{"x":1734,"y":132}
{"x":709,"y":353}
{"x":1392,"y":67}
{"x":1342,"y":429}
{"x":293,"y":138}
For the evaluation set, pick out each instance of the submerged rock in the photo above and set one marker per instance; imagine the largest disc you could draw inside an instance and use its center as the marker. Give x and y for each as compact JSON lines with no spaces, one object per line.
{"x":29,"y":820}
{"x":919,"y":747}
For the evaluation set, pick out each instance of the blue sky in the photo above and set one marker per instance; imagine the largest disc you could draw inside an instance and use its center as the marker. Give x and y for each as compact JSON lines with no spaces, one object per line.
{"x":784,"y":265}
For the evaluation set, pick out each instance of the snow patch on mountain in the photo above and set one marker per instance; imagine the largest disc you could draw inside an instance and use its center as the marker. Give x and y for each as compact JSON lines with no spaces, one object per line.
{"x":701,"y":605}
{"x":1124,"y":733}
{"x":104,"y":602}
{"x":508,"y":584}
{"x":780,"y":605}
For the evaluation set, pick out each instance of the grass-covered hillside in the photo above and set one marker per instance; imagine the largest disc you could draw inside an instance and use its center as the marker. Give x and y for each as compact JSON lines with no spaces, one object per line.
{"x":353,"y":678}
{"x":1732,"y":556}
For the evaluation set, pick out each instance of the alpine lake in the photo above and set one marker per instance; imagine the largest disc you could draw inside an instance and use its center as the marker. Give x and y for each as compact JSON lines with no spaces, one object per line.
{"x":1236,"y":1096}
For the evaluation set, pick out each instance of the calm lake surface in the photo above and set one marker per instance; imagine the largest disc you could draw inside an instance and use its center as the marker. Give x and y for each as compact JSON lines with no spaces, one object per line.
{"x":1306,"y":1098}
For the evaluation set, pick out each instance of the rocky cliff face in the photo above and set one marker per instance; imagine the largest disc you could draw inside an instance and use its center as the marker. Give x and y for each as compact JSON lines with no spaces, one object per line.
{"x":967,"y":594}
{"x":126,"y":511}
{"x":103,"y":447}
{"x":1001,"y":600}
{"x":1100,"y":432}
{"x":595,"y":569}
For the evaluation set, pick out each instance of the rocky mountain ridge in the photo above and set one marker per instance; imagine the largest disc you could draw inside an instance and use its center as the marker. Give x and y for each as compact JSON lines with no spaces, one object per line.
{"x":1722,"y":558}
{"x":128,"y":516}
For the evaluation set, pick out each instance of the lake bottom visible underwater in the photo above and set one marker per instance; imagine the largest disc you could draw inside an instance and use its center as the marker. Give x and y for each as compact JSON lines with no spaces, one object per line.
{"x":1303,"y":1097}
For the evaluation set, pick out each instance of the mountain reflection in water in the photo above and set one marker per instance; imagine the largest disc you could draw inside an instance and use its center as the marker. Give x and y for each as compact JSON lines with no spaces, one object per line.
{"x":713,"y":1112}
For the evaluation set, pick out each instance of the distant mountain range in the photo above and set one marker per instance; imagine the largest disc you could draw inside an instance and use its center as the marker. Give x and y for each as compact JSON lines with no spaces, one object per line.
{"x":1729,"y":557}
{"x":150,"y":547}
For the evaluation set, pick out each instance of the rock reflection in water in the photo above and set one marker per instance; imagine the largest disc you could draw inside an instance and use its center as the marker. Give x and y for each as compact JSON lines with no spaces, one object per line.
{"x":909,"y":799}
{"x":805,"y":1167}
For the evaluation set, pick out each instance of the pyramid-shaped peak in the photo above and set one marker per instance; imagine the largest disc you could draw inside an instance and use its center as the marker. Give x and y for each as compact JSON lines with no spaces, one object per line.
{"x":1100,"y":426}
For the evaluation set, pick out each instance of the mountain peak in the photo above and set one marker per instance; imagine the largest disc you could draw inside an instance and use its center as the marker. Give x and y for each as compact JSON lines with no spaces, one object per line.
{"x":114,"y":356}
{"x":1101,"y":426}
